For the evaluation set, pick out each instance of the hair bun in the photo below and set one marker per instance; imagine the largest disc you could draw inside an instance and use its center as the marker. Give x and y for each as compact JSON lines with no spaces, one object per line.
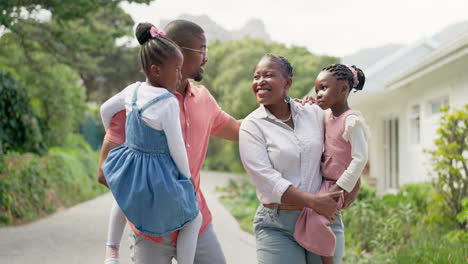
{"x":142,"y":32}
{"x":361,"y":78}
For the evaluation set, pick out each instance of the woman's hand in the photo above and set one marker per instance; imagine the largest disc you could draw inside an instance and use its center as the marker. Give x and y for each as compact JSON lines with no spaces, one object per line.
{"x":335,"y":188}
{"x":325,"y":204}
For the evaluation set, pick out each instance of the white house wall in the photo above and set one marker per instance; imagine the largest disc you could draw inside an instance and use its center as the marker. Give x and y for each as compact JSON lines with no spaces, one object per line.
{"x":450,"y":80}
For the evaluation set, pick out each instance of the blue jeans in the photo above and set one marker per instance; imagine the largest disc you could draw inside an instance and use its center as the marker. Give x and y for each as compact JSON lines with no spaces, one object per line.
{"x":274,"y":231}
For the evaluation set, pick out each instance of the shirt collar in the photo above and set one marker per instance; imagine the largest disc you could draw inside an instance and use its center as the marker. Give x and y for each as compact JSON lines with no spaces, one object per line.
{"x":262,"y":111}
{"x":188,"y":90}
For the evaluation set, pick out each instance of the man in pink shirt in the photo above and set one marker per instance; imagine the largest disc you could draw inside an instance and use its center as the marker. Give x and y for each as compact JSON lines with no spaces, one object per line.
{"x":200,"y":118}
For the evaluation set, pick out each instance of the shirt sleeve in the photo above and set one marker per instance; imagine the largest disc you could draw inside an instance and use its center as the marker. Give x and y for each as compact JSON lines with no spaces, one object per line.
{"x":220,"y":121}
{"x":321,"y":115}
{"x":221,"y":118}
{"x":113,"y":105}
{"x":116,"y":131}
{"x":254,"y":156}
{"x":357,"y":135}
{"x":171,"y":126}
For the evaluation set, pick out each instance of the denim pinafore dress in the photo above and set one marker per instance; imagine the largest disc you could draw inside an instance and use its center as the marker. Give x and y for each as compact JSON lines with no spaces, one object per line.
{"x":152,"y":193}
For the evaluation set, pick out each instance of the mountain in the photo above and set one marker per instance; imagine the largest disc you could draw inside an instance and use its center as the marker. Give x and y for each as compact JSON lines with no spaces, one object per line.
{"x":254,"y":28}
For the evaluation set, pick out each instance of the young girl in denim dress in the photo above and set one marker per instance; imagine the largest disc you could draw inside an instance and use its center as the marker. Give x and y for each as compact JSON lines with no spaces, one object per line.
{"x":149,"y":174}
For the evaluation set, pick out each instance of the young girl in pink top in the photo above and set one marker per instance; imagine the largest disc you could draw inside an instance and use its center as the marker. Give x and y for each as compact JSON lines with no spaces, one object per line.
{"x":344,"y":157}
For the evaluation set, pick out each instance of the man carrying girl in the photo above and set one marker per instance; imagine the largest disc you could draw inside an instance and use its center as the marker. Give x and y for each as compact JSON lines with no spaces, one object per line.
{"x":200,"y":117}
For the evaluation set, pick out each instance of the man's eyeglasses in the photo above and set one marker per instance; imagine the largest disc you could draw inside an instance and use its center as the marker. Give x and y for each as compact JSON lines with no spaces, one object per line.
{"x":203,"y":52}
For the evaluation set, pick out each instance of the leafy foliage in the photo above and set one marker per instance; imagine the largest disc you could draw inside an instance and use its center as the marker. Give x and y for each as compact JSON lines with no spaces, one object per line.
{"x":13,"y":10}
{"x":32,"y":186}
{"x":450,"y":161}
{"x":54,"y":90}
{"x":394,"y":228}
{"x":84,"y":39}
{"x":19,"y":124}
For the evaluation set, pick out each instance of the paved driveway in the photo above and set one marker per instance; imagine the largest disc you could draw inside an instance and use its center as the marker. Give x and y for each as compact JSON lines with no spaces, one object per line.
{"x":77,"y":235}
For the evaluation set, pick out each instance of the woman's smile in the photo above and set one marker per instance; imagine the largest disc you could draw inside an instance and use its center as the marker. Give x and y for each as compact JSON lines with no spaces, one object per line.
{"x":262,"y":92}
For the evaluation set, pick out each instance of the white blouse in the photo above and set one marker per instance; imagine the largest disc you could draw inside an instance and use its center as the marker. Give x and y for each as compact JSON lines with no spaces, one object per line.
{"x":277,"y":156}
{"x":163,"y":115}
{"x":356,"y":133}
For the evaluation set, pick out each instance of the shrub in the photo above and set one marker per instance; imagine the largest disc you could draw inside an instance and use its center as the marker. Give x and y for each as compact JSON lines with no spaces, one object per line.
{"x":450,"y":162}
{"x":18,"y":122}
{"x":430,"y":246}
{"x":384,"y":224}
{"x":32,"y":186}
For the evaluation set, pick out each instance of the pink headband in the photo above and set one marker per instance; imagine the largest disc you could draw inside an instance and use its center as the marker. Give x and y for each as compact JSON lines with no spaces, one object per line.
{"x":156,"y":33}
{"x":355,"y":77}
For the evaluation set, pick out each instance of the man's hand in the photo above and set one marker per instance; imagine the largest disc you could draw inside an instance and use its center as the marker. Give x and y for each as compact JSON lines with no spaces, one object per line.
{"x":193,"y":182}
{"x":107,"y":146}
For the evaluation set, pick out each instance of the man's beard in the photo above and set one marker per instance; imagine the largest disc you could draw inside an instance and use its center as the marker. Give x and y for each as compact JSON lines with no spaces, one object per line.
{"x":198,"y":77}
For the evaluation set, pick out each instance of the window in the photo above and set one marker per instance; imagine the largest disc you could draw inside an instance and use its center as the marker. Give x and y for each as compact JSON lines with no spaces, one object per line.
{"x":415,"y":126}
{"x":391,"y":154}
{"x":435,"y":105}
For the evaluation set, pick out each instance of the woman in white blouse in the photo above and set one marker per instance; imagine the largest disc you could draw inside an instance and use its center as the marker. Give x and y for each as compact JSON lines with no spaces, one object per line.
{"x":281,"y":145}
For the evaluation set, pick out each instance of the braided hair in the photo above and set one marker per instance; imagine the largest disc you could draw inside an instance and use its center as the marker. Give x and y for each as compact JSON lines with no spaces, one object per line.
{"x":285,"y":65}
{"x":342,"y":72}
{"x":153,"y":50}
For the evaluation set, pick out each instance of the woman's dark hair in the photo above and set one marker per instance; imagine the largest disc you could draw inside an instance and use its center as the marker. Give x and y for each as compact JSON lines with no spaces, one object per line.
{"x":283,"y":62}
{"x":153,"y":50}
{"x":342,"y":72}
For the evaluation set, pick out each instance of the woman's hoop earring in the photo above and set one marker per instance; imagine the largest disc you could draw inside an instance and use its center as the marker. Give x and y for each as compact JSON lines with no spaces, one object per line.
{"x":287,"y":99}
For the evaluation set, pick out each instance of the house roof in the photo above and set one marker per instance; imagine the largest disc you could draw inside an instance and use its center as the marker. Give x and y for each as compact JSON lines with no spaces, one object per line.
{"x":394,"y":65}
{"x":442,"y":56}
{"x":397,"y":62}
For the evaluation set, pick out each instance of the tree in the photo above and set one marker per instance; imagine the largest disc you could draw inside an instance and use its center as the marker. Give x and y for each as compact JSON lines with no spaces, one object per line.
{"x":449,"y":160}
{"x":75,"y":49}
{"x":54,"y":90}
{"x":84,"y":39}
{"x":13,"y":10}
{"x":119,"y":68}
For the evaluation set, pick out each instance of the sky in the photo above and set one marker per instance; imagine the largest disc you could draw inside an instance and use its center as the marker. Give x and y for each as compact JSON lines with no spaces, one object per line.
{"x":327,"y":27}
